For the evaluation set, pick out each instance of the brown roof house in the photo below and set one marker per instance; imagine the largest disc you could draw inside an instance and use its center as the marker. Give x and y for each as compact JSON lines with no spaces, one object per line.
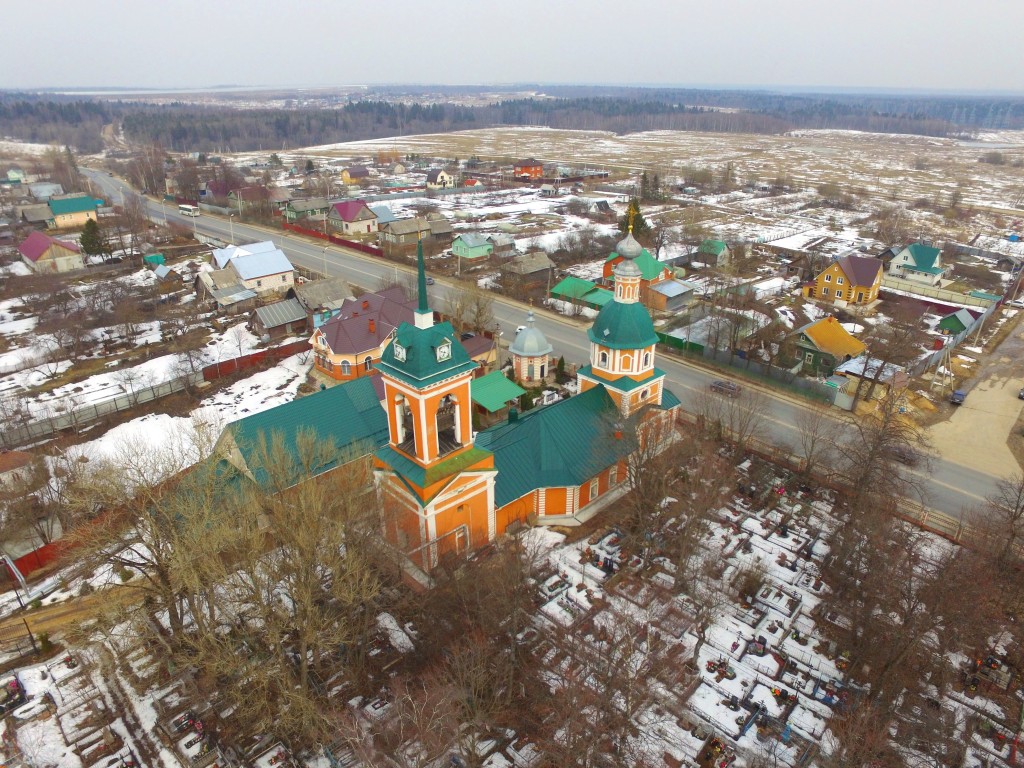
{"x":849,"y":279}
{"x":351,"y":343}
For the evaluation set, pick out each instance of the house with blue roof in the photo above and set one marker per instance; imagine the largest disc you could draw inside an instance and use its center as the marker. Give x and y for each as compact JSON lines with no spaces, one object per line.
{"x":919,"y":263}
{"x":259,"y":268}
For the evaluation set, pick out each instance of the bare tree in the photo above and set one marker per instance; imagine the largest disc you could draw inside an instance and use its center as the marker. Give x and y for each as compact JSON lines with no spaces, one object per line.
{"x":999,"y":525}
{"x":817,"y":433}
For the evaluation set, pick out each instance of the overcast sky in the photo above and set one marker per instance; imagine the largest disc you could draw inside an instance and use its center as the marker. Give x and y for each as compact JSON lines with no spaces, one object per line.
{"x":902,"y":44}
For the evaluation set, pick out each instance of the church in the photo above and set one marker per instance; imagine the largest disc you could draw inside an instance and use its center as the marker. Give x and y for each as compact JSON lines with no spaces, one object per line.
{"x":447,"y":490}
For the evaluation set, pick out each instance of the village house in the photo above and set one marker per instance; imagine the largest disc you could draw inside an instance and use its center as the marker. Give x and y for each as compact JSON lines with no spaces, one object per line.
{"x":268,"y":272}
{"x":305,"y":208}
{"x":528,"y":169}
{"x":278,"y":320}
{"x":714,"y":253}
{"x":248,"y":198}
{"x":38,"y":215}
{"x":43,"y":254}
{"x":352,"y":217}
{"x":919,"y":263}
{"x":44,"y":190}
{"x":321,"y":299}
{"x":471,"y":246}
{"x":403,"y":234}
{"x":824,"y":344}
{"x":350,"y":344}
{"x":525,"y":273}
{"x":355,"y":173}
{"x":222,"y":289}
{"x":851,"y":279}
{"x":72,"y":211}
{"x":438,"y":178}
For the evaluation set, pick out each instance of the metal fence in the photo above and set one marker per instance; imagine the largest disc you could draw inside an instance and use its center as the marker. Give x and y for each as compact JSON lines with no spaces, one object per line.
{"x":14,"y":435}
{"x":939,"y":294}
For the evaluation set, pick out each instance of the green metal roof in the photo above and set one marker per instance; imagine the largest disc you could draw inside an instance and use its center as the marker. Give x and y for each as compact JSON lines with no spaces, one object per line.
{"x":61,"y":206}
{"x":623,"y":326}
{"x":712,"y":246}
{"x":421,"y":366}
{"x":649,"y":266}
{"x":565,"y":444}
{"x":924,"y":257}
{"x":599,"y":297}
{"x":494,"y":390}
{"x":348,"y":416}
{"x":572,"y":287}
{"x":154,"y":259}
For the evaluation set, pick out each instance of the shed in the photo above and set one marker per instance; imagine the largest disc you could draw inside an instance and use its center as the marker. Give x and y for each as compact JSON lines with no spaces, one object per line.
{"x":154,"y":259}
{"x":282,"y":318}
{"x":494,"y":392}
{"x":955,"y":323}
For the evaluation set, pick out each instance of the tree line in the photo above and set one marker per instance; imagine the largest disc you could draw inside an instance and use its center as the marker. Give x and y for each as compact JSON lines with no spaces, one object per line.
{"x":79,"y":122}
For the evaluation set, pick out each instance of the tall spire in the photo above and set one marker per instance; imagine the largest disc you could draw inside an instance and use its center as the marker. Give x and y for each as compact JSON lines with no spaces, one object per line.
{"x":424,"y":317}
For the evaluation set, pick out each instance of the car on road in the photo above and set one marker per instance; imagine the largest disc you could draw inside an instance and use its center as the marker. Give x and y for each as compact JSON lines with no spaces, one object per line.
{"x":904,"y":454}
{"x":430,"y":281}
{"x":1020,"y":395}
{"x":958,"y":397}
{"x":727,"y":388}
{"x":520,"y":329}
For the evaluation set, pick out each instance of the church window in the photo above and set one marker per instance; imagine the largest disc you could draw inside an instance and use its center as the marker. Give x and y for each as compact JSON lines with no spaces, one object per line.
{"x":647,"y":359}
{"x":644,"y":394}
{"x":368,"y":363}
{"x":627,"y":362}
{"x":346,"y":368}
{"x":613,"y":475}
{"x":603,"y":358}
{"x":594,"y":488}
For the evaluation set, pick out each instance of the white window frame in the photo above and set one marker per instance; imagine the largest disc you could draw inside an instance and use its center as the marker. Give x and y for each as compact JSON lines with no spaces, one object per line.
{"x":839,"y":281}
{"x":828,"y":278}
{"x":595,"y":488}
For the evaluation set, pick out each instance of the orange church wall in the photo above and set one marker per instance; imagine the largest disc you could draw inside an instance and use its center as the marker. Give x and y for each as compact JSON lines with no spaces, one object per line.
{"x":471,"y":512}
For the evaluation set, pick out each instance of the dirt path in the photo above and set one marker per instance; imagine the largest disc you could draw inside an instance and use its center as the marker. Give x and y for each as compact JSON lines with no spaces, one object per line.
{"x":980,"y":433}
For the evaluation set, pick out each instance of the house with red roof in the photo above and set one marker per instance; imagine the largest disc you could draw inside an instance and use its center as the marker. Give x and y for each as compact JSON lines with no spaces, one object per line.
{"x":351,"y":343}
{"x":44,"y":255}
{"x":352,"y":217}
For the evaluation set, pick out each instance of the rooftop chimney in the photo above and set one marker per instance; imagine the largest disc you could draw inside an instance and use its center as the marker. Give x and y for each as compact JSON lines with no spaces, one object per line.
{"x":373,"y":326}
{"x":366,"y":304}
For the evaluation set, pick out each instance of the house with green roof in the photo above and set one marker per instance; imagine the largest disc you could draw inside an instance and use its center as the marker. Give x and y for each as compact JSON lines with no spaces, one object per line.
{"x":72,"y":211}
{"x":585,"y":293}
{"x":347,"y":418}
{"x":919,"y":263}
{"x":652,"y":272}
{"x":714,"y":253}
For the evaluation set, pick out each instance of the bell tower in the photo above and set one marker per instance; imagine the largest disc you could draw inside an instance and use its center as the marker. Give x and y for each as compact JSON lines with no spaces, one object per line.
{"x":622,"y":340}
{"x":437,"y":487}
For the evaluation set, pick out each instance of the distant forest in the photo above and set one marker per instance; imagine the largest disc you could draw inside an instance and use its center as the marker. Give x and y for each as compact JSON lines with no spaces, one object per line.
{"x":78,"y":122}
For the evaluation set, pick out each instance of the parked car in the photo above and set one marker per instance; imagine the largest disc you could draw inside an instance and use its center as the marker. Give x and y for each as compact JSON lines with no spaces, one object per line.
{"x":430,"y":281}
{"x":958,"y":397}
{"x":727,"y":388}
{"x":1020,"y":395}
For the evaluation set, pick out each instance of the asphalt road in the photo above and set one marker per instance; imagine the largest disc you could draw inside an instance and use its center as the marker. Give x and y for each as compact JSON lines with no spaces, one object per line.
{"x":952,"y":488}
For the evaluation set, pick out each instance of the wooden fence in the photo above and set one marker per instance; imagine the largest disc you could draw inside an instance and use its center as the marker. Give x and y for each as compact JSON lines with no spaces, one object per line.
{"x":372,"y":250}
{"x":254,"y":360}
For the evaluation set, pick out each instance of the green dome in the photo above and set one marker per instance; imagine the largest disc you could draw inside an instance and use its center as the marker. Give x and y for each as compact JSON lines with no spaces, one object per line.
{"x":623,"y":326}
